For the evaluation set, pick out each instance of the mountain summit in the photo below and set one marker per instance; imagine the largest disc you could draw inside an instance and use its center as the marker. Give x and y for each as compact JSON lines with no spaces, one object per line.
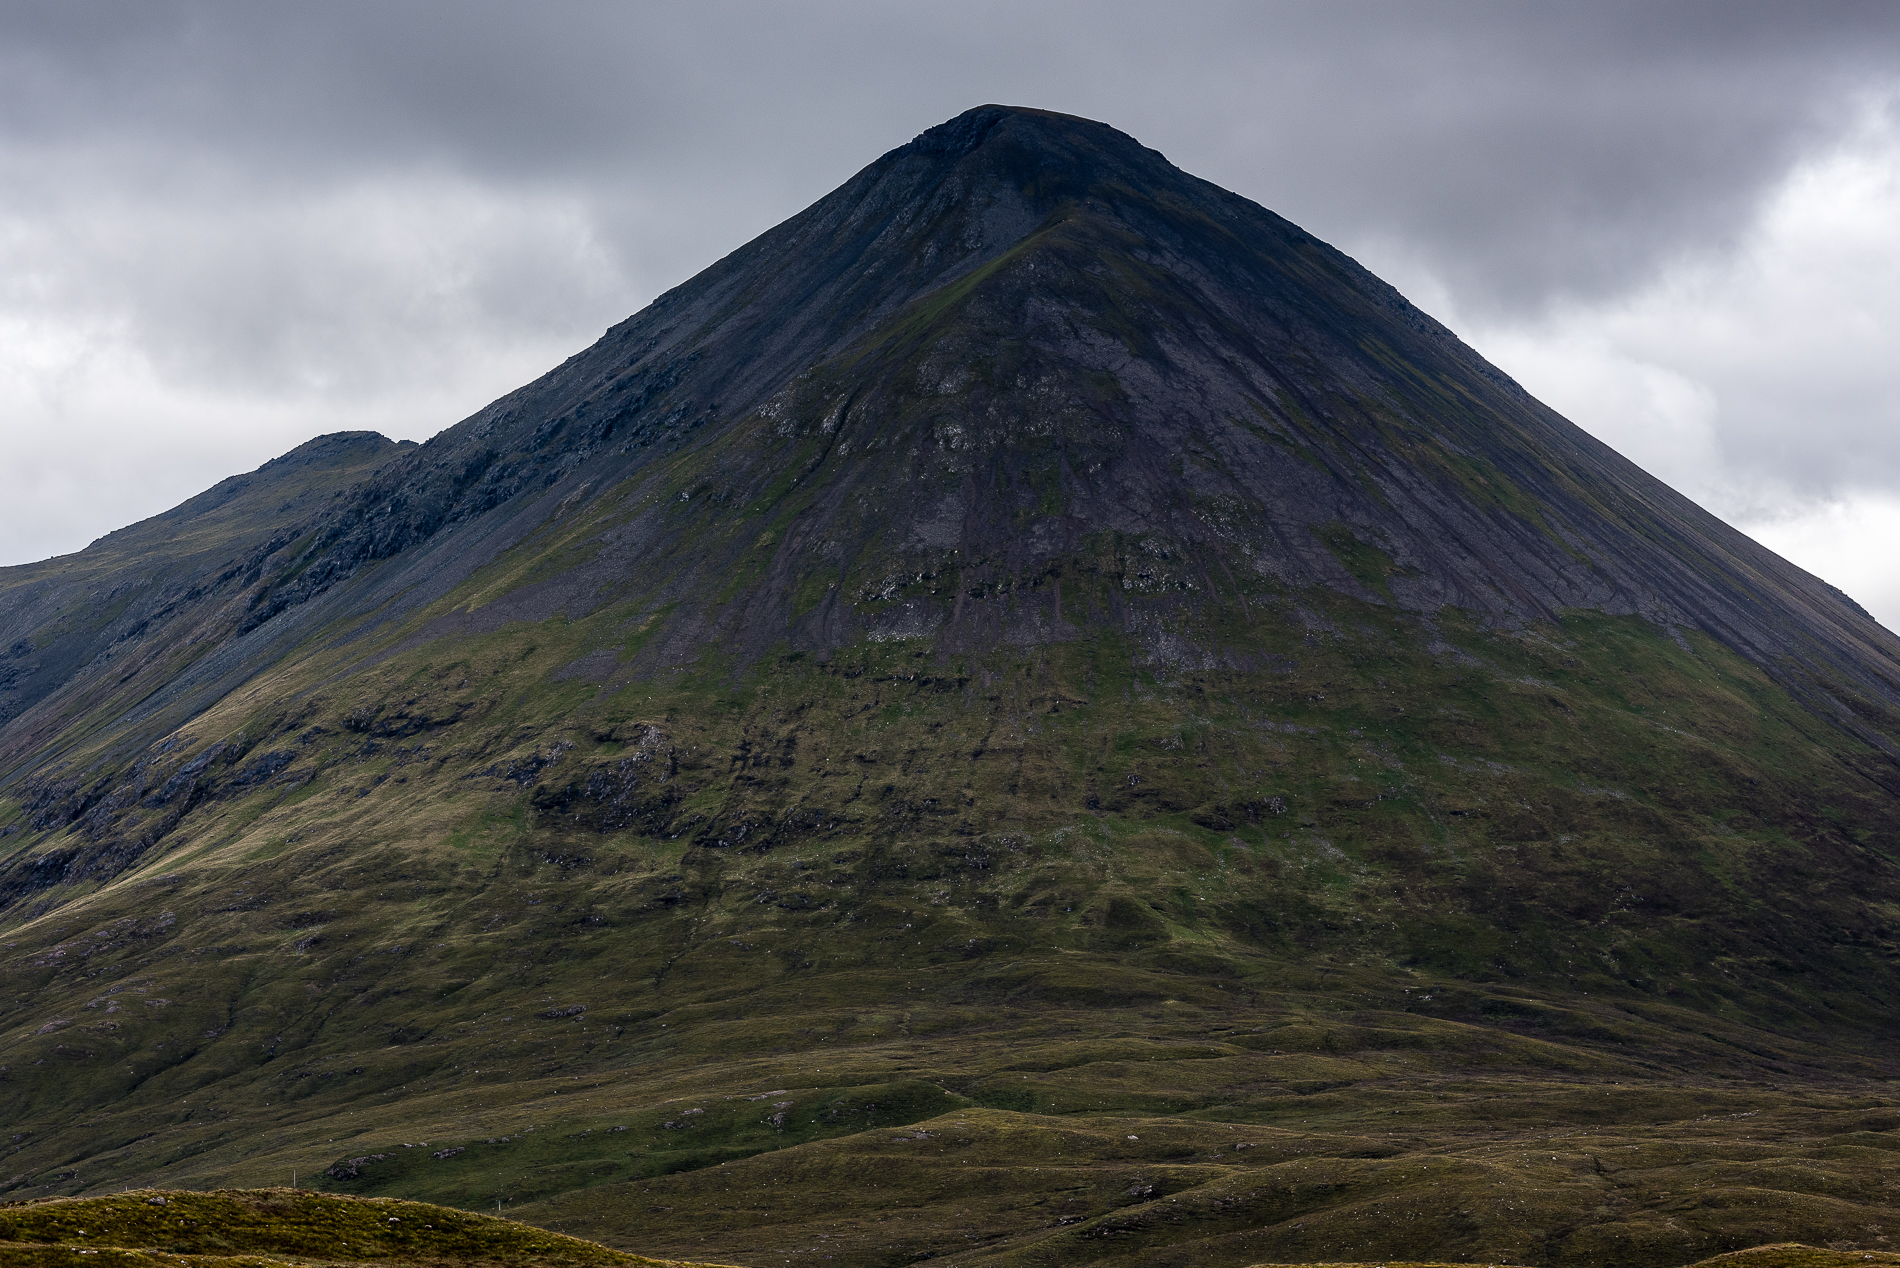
{"x":1033,"y":642}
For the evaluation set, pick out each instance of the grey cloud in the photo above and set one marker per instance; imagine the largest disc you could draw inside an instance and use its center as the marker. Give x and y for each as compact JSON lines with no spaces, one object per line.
{"x":1530,"y":150}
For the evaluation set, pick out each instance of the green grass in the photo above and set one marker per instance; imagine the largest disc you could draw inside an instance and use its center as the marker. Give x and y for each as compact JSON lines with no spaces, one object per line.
{"x":277,"y":1226}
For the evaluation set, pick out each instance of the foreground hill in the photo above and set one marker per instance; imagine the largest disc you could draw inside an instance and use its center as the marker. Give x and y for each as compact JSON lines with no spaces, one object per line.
{"x":257,"y":1227}
{"x":1034,"y":713}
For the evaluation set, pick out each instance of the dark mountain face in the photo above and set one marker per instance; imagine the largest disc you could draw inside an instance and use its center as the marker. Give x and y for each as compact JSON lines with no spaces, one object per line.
{"x":96,"y":631}
{"x":1031,"y":621}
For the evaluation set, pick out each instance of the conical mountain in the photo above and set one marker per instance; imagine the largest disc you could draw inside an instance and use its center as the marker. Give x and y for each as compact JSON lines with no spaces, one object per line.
{"x":1033,"y":642}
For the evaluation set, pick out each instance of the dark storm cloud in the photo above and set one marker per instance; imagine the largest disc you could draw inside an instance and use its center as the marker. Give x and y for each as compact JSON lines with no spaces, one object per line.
{"x":1528,"y":148}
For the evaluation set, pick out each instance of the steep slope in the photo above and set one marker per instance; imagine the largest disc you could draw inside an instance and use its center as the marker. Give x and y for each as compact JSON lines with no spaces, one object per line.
{"x":1033,"y":643}
{"x":131,"y":589}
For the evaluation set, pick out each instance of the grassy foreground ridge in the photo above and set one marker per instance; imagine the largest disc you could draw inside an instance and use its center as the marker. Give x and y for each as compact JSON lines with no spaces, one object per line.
{"x":264,"y":1228}
{"x":280,"y":1226}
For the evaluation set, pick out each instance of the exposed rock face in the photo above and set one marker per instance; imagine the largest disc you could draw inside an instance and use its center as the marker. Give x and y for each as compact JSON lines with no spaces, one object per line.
{"x":1031,"y":603}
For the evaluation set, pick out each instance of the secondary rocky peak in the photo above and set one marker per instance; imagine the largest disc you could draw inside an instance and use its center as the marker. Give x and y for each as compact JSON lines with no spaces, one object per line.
{"x":957,"y":137}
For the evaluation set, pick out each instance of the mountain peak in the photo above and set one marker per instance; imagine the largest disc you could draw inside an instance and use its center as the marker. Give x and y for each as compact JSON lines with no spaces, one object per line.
{"x":1026,"y":125}
{"x":1021,"y":298}
{"x":1040,"y":155}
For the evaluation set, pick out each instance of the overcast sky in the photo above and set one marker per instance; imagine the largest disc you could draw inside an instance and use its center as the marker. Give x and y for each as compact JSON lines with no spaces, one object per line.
{"x":228,"y":227}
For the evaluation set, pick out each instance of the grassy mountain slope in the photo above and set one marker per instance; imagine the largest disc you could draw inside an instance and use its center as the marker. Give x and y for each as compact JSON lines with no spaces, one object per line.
{"x":1312,"y":908}
{"x":1027,"y":679}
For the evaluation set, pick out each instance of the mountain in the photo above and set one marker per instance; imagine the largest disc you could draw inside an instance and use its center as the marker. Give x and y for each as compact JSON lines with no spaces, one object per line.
{"x":1035,"y":713}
